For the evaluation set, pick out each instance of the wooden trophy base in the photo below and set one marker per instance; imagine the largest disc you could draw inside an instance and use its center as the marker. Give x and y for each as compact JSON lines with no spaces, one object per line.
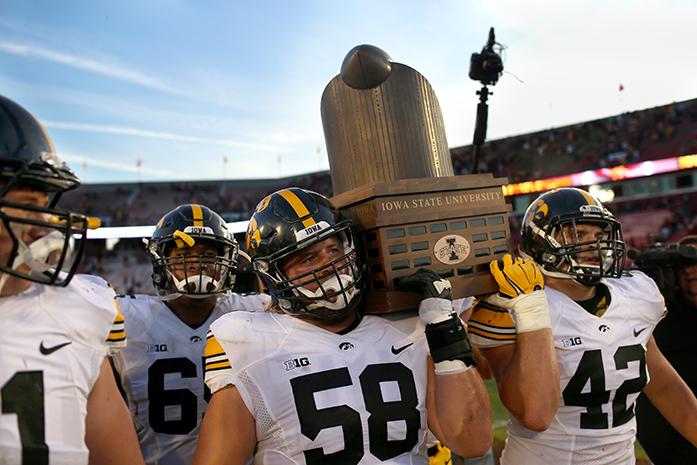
{"x":453,"y":225}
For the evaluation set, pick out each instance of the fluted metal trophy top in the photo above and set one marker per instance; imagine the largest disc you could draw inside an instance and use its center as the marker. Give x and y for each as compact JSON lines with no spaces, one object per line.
{"x":382,"y":122}
{"x":393,"y":176}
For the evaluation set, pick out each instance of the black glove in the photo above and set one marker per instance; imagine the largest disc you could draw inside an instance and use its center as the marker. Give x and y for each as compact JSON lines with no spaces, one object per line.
{"x":428,"y":283}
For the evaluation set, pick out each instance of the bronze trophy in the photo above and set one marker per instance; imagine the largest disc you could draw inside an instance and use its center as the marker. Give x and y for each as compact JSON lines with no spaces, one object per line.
{"x":393,"y":176}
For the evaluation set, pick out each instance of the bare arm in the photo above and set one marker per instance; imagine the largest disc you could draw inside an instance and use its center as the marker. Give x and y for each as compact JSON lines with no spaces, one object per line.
{"x":527,"y":376}
{"x":670,"y":395}
{"x":228,"y":432}
{"x":110,"y":436}
{"x":459,"y":411}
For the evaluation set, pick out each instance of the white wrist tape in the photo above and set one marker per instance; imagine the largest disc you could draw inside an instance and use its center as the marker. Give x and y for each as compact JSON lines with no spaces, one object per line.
{"x":529,"y":311}
{"x":451,"y":367}
{"x":435,"y":310}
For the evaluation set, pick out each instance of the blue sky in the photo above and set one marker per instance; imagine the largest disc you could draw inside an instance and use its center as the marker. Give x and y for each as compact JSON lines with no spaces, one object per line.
{"x":180,"y":85}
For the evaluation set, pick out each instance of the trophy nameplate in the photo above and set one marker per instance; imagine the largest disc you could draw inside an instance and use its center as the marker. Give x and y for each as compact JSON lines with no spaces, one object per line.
{"x":452,"y":225}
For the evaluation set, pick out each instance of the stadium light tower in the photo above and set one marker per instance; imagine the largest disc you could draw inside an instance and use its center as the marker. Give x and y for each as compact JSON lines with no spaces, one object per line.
{"x":485,"y":67}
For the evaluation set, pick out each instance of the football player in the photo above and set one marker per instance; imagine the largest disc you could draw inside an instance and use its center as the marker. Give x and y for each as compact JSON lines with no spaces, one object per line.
{"x":194,"y":259}
{"x":602,"y":320}
{"x":314,"y":381}
{"x":59,"y":403}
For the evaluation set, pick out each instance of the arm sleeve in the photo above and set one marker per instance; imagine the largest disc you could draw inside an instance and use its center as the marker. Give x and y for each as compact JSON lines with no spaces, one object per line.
{"x":116,"y":339}
{"x":217,"y":368}
{"x":219,"y":372}
{"x":460,"y":305}
{"x":490,"y":326}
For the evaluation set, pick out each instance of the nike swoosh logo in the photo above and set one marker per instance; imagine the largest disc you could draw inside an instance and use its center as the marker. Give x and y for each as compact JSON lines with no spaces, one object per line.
{"x":397,"y":351}
{"x":49,"y":350}
{"x":637,"y":333}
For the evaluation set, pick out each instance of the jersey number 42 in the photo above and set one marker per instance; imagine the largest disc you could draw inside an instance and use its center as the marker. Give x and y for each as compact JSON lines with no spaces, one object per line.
{"x":591,"y":369}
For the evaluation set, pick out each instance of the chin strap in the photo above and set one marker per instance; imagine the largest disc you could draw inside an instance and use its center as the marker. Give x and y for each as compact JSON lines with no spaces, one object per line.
{"x":340,"y":285}
{"x":203,"y":286}
{"x":35,"y":254}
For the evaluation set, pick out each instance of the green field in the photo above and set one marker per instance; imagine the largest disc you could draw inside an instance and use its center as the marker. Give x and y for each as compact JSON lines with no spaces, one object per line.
{"x":500,"y":419}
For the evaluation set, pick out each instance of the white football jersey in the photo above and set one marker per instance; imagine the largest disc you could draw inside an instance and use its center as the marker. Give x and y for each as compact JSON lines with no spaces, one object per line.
{"x":53,"y":341}
{"x":602,"y":365}
{"x":161,"y":372}
{"x":319,"y":397}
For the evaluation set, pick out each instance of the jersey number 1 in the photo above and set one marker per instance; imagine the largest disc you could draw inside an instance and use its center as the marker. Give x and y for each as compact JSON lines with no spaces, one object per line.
{"x":23,"y":395}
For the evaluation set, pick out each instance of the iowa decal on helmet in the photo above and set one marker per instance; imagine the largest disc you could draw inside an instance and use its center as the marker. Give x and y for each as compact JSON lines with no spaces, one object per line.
{"x":193,"y":253}
{"x":550,"y":235}
{"x":286,"y":223}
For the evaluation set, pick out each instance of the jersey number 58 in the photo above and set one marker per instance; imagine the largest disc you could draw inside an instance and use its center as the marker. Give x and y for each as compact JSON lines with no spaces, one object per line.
{"x":314,"y":420}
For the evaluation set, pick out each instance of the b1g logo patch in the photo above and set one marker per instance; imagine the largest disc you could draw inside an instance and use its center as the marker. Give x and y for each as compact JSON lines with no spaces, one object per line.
{"x":451,"y":249}
{"x":571,"y":342}
{"x":296,"y":363}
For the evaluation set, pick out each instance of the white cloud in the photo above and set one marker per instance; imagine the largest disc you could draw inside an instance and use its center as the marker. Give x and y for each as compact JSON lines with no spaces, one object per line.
{"x":91,"y":161}
{"x":105,"y":69}
{"x":135,"y":132}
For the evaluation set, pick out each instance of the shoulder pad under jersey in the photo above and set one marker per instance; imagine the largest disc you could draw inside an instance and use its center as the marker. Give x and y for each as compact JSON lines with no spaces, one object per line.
{"x":636,"y":285}
{"x":248,"y":302}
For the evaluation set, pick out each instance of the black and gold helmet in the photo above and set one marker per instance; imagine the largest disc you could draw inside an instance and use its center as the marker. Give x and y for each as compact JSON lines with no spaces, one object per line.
{"x":28,"y":161}
{"x":177,"y":247}
{"x":549,"y":236}
{"x":287,"y":222}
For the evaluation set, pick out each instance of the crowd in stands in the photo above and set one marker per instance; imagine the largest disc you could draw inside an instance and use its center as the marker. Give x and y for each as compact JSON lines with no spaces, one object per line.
{"x":128,"y":268}
{"x":659,"y":132}
{"x":146,"y":203}
{"x":663,"y":219}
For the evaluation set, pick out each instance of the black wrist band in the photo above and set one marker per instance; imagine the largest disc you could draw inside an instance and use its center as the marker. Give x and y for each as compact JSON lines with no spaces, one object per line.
{"x":448,"y":340}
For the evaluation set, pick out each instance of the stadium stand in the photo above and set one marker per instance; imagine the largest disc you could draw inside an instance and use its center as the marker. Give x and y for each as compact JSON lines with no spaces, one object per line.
{"x":648,"y":211}
{"x":658,"y":132}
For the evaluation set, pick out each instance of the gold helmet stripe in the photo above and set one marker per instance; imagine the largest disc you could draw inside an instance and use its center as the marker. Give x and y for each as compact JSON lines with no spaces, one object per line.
{"x":298,"y":206}
{"x":589,"y":198}
{"x":198,"y":215}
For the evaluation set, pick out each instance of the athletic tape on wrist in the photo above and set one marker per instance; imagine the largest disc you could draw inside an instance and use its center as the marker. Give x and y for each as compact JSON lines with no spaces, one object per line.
{"x":447,"y":340}
{"x":451,"y":367}
{"x":531,"y":312}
